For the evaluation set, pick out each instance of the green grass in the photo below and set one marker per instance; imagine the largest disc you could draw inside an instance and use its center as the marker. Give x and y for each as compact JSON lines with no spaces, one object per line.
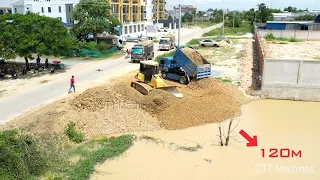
{"x":318,"y":58}
{"x":108,"y":149}
{"x":48,"y":156}
{"x":201,"y":24}
{"x":158,"y":58}
{"x":225,"y":80}
{"x":229,"y":31}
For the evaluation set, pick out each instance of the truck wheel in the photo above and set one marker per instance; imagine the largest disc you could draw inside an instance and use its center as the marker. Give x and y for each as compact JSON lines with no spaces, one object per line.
{"x":164,"y":75}
{"x":182,"y":80}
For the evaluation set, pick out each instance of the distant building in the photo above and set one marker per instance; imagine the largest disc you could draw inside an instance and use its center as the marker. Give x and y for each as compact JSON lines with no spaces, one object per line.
{"x":210,"y":11}
{"x":61,"y":9}
{"x":184,"y":9}
{"x":283,"y":16}
{"x":5,"y":6}
{"x":294,"y":25}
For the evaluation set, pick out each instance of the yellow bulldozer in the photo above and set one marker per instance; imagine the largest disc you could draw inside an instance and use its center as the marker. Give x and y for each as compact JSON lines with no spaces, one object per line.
{"x":148,"y":78}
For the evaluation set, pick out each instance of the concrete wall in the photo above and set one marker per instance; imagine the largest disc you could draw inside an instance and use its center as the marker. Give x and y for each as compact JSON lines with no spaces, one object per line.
{"x":297,"y":79}
{"x":298,"y":34}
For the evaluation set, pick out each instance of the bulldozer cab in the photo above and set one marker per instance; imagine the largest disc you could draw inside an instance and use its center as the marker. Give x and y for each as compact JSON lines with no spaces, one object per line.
{"x":148,"y":69}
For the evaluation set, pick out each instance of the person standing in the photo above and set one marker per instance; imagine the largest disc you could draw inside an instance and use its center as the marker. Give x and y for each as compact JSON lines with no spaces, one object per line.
{"x":46,"y":63}
{"x":72,"y":84}
{"x":38,"y":61}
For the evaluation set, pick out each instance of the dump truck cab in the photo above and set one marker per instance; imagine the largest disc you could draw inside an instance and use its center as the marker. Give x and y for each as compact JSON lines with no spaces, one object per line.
{"x":142,"y":51}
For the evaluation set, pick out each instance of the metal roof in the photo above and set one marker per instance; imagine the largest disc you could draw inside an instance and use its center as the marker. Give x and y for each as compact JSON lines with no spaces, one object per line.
{"x":289,"y":22}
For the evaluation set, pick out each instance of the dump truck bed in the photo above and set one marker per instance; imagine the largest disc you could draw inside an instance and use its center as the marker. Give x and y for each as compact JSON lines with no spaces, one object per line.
{"x":194,"y":64}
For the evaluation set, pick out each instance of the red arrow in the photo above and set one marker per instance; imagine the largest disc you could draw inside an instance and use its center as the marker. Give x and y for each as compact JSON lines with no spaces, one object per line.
{"x":252,"y":141}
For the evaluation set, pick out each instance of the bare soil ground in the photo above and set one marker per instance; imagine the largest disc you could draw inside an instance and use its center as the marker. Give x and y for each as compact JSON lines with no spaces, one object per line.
{"x":306,"y":49}
{"x":118,"y":108}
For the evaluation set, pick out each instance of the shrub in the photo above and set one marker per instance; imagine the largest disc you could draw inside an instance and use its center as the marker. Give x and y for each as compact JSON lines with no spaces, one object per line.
{"x":20,"y":156}
{"x":269,"y":36}
{"x":92,"y":46}
{"x":292,"y":39}
{"x":73,"y":134}
{"x":103,"y":46}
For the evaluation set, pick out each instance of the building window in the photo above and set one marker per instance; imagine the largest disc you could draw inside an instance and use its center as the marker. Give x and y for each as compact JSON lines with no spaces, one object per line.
{"x":125,"y":30}
{"x":42,"y":9}
{"x":135,"y":28}
{"x":59,"y":9}
{"x":138,"y":28}
{"x":69,"y":8}
{"x":49,"y":9}
{"x":130,"y":29}
{"x":70,"y":20}
{"x":15,"y":10}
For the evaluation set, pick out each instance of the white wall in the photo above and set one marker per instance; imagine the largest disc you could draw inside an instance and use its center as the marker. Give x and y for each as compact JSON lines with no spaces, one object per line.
{"x":36,"y":7}
{"x":298,"y":34}
{"x":149,"y":15}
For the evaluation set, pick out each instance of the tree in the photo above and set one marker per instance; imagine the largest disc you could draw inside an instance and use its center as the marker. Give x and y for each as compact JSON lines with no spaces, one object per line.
{"x":306,"y":17}
{"x":187,"y":17}
{"x":170,"y":17}
{"x":25,"y":35}
{"x":93,"y":16}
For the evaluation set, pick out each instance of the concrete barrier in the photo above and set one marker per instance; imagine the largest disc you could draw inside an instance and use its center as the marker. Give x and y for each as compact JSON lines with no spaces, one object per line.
{"x":298,"y":34}
{"x":297,"y":79}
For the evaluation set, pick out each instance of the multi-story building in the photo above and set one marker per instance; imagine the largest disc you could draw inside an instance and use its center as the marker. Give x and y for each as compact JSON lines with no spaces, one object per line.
{"x":61,"y":9}
{"x":131,"y":14}
{"x":159,"y":9}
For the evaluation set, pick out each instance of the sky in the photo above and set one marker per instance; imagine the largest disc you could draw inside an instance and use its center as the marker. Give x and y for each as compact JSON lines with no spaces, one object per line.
{"x":245,"y":4}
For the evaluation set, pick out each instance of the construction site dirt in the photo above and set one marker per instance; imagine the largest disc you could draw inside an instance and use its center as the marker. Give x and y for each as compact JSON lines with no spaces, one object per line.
{"x":118,"y":108}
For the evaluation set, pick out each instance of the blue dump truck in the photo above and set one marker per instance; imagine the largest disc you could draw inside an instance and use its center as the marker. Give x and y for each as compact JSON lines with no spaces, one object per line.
{"x":186,"y":65}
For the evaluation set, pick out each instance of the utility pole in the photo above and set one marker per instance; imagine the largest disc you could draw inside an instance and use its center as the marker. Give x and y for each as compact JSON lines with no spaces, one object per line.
{"x":223,"y":23}
{"x":179,"y":25}
{"x":233,"y":19}
{"x":122,"y":28}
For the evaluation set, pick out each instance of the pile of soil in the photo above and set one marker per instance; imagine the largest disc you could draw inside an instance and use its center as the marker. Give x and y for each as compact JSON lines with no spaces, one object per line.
{"x":205,"y":101}
{"x":224,"y":43}
{"x":96,"y":98}
{"x":193,"y":55}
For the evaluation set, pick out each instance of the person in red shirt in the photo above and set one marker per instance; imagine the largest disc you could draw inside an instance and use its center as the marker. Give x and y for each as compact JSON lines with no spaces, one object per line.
{"x":72,"y":84}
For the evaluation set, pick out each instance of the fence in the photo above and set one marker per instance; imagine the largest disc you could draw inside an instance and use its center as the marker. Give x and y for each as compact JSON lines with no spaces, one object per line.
{"x":298,"y":34}
{"x":291,"y":79}
{"x":88,"y":53}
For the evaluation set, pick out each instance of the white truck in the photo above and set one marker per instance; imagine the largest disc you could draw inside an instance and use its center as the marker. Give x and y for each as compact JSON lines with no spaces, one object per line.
{"x":167,"y":42}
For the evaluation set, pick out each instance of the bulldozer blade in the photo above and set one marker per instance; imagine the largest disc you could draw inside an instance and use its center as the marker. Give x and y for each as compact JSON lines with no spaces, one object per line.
{"x":141,"y":87}
{"x":172,"y":90}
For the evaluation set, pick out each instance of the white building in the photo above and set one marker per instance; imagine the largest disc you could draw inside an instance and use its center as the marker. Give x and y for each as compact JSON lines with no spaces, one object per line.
{"x":61,"y":9}
{"x":283,"y":16}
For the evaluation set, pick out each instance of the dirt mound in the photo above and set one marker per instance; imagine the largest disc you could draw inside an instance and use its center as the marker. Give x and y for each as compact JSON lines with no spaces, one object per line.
{"x":193,"y":55}
{"x":224,"y":43}
{"x":96,"y":98}
{"x":205,"y":101}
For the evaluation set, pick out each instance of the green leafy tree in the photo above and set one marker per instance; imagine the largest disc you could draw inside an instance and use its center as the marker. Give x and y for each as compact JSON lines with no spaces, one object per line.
{"x":187,"y":18}
{"x":29,"y":34}
{"x":170,"y":17}
{"x":306,"y":17}
{"x":93,"y":17}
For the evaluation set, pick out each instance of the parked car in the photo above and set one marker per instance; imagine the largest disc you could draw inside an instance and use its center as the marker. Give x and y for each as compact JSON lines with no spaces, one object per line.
{"x":209,"y":43}
{"x":163,"y":29}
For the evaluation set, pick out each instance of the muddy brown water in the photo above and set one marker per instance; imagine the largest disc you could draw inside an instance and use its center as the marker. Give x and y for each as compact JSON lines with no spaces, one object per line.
{"x":278,"y":124}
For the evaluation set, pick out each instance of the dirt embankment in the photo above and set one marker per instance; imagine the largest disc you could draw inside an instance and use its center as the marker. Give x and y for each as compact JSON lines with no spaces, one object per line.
{"x":120,"y":108}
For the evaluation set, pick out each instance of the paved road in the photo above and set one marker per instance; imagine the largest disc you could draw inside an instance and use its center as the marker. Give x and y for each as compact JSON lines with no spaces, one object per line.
{"x":15,"y":105}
